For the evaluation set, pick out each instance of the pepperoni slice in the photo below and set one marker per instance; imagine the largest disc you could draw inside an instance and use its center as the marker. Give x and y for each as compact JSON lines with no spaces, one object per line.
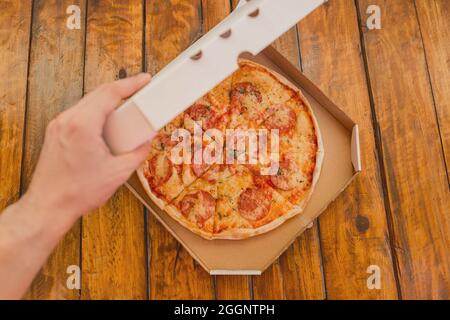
{"x":198,"y":207}
{"x":245,"y":94}
{"x":163,"y":141}
{"x":202,"y":113}
{"x":281,"y":117}
{"x":199,"y":169}
{"x":254,"y":203}
{"x":159,"y":170}
{"x":289,"y":175}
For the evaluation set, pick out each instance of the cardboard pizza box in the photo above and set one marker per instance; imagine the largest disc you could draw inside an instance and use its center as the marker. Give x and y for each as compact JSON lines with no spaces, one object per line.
{"x":340,"y":166}
{"x":250,"y":29}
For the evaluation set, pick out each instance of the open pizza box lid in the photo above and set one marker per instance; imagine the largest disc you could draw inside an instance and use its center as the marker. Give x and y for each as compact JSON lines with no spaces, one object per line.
{"x":250,"y":29}
{"x":253,"y":26}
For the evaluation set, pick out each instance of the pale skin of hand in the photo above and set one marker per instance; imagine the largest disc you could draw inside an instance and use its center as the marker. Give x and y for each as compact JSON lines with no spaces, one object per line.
{"x":76,"y":173}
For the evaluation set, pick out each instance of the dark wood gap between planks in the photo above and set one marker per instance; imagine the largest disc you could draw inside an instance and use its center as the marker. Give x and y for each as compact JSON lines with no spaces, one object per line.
{"x":86,"y":4}
{"x":145,"y":211}
{"x":403,"y":247}
{"x":379,"y":149}
{"x":432,"y":95}
{"x":23,"y":177}
{"x":316,"y":222}
{"x":30,"y":39}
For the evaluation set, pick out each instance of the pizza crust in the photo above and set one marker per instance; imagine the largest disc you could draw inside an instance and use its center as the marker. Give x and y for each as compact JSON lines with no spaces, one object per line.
{"x":243,"y":233}
{"x":176,"y":214}
{"x":239,"y":234}
{"x":281,"y":79}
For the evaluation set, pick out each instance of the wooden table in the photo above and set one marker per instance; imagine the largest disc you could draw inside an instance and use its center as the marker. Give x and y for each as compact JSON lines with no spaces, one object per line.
{"x":395,"y":82}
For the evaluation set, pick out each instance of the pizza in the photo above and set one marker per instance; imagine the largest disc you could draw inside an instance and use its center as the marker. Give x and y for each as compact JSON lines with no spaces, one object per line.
{"x":203,"y":178}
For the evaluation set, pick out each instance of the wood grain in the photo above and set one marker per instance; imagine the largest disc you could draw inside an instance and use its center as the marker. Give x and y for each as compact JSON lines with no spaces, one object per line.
{"x":113,"y":242}
{"x":301,"y":268}
{"x":417,"y":186}
{"x":214,"y":12}
{"x":434,"y":22}
{"x":353,"y":230}
{"x":274,"y":284}
{"x":173,"y":274}
{"x":55,"y":83}
{"x":15,"y":19}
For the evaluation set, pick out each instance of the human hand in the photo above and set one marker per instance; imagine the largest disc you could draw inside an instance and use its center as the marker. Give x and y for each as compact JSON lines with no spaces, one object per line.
{"x":76,"y":171}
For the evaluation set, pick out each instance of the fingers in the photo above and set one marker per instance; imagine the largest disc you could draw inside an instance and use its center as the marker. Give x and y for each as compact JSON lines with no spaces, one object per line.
{"x":127,"y":87}
{"x":133,"y":159}
{"x":107,"y":97}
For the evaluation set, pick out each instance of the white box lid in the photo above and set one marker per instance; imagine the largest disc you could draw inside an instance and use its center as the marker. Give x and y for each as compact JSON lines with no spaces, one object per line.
{"x":250,"y":28}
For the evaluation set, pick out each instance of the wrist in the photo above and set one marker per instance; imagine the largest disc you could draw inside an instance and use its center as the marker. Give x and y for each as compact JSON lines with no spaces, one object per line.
{"x":46,"y":215}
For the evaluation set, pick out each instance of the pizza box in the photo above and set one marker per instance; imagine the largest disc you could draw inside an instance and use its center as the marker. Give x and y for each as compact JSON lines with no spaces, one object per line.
{"x":247,"y":33}
{"x":340,"y":166}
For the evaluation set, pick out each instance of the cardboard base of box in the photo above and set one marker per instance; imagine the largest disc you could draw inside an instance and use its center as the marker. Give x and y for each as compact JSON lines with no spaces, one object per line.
{"x":340,"y":165}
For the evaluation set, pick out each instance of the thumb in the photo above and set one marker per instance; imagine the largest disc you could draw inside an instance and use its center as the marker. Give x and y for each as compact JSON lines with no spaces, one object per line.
{"x":109,"y":96}
{"x":134,"y":158}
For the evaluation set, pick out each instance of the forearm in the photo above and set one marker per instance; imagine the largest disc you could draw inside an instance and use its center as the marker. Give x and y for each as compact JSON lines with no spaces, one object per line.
{"x":76,"y":173}
{"x":28,"y":234}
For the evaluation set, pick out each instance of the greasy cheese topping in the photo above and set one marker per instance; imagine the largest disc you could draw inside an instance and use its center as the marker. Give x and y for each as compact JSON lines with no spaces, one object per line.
{"x":289,"y":175}
{"x":244,"y":97}
{"x":203,"y":114}
{"x":254,"y":203}
{"x":281,"y":117}
{"x":198,"y":207}
{"x":159,"y":170}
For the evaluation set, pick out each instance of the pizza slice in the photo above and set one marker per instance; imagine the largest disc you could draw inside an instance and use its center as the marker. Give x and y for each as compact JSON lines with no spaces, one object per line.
{"x":210,"y":111}
{"x":247,"y":205}
{"x":254,"y":89}
{"x":295,"y":123}
{"x":163,"y":139}
{"x":172,"y":166}
{"x":295,"y":177}
{"x":195,"y":207}
{"x":300,"y":149}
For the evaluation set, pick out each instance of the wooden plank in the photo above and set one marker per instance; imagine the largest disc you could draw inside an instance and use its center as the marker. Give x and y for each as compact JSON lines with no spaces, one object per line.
{"x":15,"y":19}
{"x":55,"y":83}
{"x":227,"y":287}
{"x":354,"y":230}
{"x":15,"y":26}
{"x":214,"y":12}
{"x":113,"y":242}
{"x":413,"y":163}
{"x":233,"y":288}
{"x":171,"y":26}
{"x":301,"y":268}
{"x":435,"y":26}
